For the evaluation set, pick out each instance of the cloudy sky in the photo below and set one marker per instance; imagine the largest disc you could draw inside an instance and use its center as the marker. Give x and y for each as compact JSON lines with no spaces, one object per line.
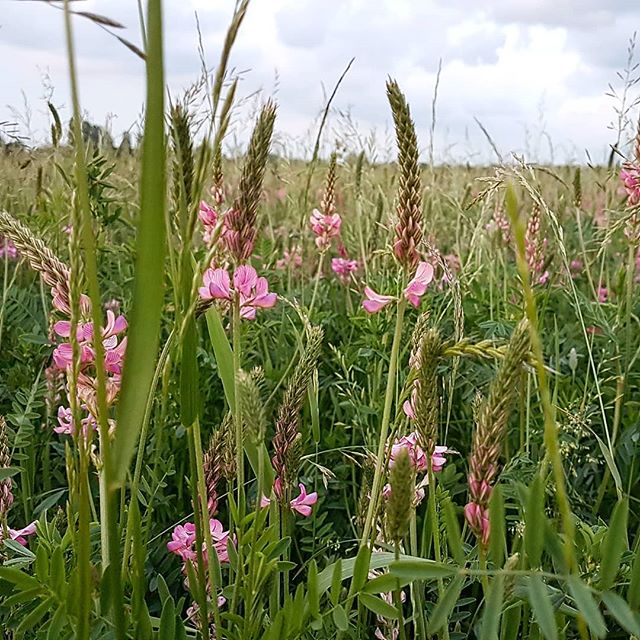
{"x":535,"y":73}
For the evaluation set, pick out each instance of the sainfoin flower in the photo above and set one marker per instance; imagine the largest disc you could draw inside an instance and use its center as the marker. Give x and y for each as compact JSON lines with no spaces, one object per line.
{"x":290,"y":259}
{"x":630,"y":177}
{"x":20,"y":535}
{"x":343,"y":268}
{"x":373,"y":301}
{"x":7,"y":249}
{"x":478,"y":519}
{"x":413,"y":292}
{"x":209,"y":218}
{"x":183,"y":539}
{"x":252,"y":291}
{"x":302,"y":504}
{"x":326,"y":227}
{"x":417,"y":455}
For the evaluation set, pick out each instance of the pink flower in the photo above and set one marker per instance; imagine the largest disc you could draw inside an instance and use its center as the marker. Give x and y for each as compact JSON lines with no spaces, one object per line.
{"x":325,"y":227}
{"x":217,"y":285}
{"x":182,"y":541}
{"x":219,"y":538}
{"x":207,"y":215}
{"x":20,"y":535}
{"x":303,"y":503}
{"x":603,"y":294}
{"x":438,"y":459}
{"x":258,"y":297}
{"x":343,"y":268}
{"x":253,"y":291}
{"x":630,"y":177}
{"x":7,"y":248}
{"x":293,"y":259}
{"x":373,"y":301}
{"x":576,"y":267}
{"x":416,"y":453}
{"x":408,"y":406}
{"x":478,"y":519}
{"x":418,"y":285}
{"x":245,"y":279}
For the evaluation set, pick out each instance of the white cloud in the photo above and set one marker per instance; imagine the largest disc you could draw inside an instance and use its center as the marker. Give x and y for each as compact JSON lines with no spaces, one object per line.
{"x":526,"y":70}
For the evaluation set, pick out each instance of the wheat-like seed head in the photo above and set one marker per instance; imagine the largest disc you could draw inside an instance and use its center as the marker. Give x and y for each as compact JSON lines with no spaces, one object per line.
{"x":400,"y":502}
{"x":409,"y":201}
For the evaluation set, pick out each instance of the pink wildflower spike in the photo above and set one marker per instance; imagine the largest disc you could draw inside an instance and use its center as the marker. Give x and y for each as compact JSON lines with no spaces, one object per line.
{"x":408,"y":405}
{"x":219,"y":538}
{"x":416,"y":453}
{"x":20,"y":535}
{"x":63,"y":355}
{"x":207,"y":214}
{"x":418,"y":285}
{"x":217,"y":285}
{"x":303,"y":503}
{"x":630,"y":177}
{"x":182,"y":540}
{"x":478,"y":519}
{"x":438,"y":459}
{"x":603,"y":294}
{"x":373,"y":301}
{"x":245,"y":279}
{"x":325,"y":227}
{"x":343,"y":268}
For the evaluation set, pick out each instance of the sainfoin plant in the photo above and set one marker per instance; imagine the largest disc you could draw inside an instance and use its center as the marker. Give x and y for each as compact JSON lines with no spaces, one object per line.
{"x":203,"y":435}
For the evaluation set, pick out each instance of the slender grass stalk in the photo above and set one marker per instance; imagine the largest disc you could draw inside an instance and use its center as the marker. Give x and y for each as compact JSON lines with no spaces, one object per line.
{"x":376,"y":486}
{"x":316,"y":281}
{"x":110,"y":543}
{"x":550,"y":427}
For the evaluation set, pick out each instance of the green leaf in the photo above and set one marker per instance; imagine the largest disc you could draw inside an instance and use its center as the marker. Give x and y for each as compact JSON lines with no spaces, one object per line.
{"x":586,"y":605}
{"x":534,"y":522}
{"x":378,"y":606}
{"x":223,"y":355}
{"x":340,"y":618}
{"x":313,"y":594}
{"x":440,"y":616}
{"x":336,"y":582}
{"x":167,"y":621}
{"x":148,"y":287}
{"x":613,"y":545}
{"x":633,"y":593}
{"x":454,"y":537}
{"x":32,"y":619}
{"x":56,"y":624}
{"x":7,"y":472}
{"x":326,"y":576}
{"x":493,"y":610}
{"x":360,"y":570}
{"x":511,"y":622}
{"x":542,"y":607}
{"x":421,"y":569}
{"x":384,"y":584}
{"x":497,"y":519}
{"x":620,"y":610}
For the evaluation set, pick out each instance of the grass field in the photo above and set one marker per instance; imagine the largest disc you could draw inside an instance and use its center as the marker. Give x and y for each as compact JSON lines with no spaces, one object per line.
{"x":403,"y":396}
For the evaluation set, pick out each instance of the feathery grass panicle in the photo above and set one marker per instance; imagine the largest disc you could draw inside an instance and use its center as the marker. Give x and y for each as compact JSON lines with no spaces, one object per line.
{"x":251,"y":404}
{"x":400,"y":502}
{"x":217,"y":188}
{"x":286,"y":441}
{"x":215,"y":462}
{"x":409,"y":200}
{"x":328,"y":204}
{"x":6,"y":493}
{"x":53,"y":271}
{"x":241,"y":218}
{"x":427,"y":399}
{"x":183,"y":158}
{"x":491,"y":422}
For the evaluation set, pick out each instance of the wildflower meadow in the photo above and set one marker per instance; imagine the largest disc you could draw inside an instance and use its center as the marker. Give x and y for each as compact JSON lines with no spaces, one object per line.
{"x":251,"y":396}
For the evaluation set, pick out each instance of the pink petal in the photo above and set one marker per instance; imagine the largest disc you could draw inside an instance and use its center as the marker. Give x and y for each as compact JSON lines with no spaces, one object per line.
{"x":373,"y":301}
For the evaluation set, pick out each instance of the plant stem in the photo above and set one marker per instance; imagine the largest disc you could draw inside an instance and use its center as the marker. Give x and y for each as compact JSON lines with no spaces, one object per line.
{"x":384,"y":427}
{"x":316,"y":282}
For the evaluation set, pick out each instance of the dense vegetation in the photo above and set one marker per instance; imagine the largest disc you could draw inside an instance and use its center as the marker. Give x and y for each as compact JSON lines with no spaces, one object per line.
{"x":404,"y":397}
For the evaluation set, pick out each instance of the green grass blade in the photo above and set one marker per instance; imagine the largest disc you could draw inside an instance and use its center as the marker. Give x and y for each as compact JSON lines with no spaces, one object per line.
{"x":144,"y":326}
